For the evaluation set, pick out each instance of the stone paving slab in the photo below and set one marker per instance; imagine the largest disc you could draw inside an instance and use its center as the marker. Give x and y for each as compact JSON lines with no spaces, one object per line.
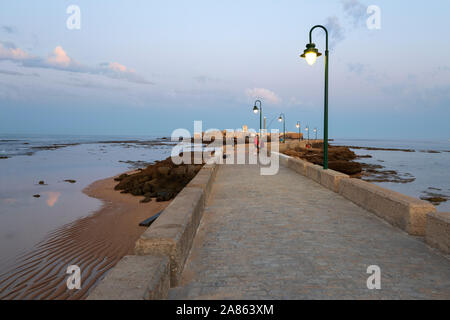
{"x":288,"y":237}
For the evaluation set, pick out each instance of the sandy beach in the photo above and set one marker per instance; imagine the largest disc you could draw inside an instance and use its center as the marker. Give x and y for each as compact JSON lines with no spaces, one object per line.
{"x":95,"y":243}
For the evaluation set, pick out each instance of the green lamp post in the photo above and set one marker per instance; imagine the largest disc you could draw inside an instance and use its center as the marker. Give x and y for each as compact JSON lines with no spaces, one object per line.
{"x":311,"y":54}
{"x":256,"y":110}
{"x":282,"y":117}
{"x":298,"y":127}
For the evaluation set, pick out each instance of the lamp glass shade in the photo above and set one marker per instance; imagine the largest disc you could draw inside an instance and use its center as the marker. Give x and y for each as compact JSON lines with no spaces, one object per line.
{"x":255,"y":109}
{"x":311,"y":53}
{"x":311,"y":57}
{"x":280,"y":119}
{"x":297,"y":125}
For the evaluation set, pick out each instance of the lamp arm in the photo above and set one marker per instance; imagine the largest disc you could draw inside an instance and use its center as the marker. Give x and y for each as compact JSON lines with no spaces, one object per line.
{"x":326,"y":34}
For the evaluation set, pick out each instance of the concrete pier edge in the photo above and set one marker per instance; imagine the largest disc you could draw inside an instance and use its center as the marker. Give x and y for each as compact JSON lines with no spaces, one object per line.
{"x":162,"y":250}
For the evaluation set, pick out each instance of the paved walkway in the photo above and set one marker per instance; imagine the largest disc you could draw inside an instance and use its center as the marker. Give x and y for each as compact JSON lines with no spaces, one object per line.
{"x":287,"y":237}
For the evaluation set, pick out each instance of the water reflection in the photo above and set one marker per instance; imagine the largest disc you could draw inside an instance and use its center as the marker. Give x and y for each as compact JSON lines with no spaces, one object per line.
{"x":52,"y":198}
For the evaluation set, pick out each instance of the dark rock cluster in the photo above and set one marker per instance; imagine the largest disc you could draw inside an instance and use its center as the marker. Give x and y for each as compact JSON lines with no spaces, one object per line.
{"x":339,"y":158}
{"x":162,"y":180}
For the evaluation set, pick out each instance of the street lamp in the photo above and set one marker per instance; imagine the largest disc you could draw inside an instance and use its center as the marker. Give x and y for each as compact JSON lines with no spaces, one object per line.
{"x":282,"y":117}
{"x":310,"y":54}
{"x":307,"y":131}
{"x":256,"y":110}
{"x":298,"y":127}
{"x":315,"y":131}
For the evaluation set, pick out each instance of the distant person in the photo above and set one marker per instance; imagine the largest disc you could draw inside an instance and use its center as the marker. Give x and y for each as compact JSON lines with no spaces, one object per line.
{"x":257,"y":142}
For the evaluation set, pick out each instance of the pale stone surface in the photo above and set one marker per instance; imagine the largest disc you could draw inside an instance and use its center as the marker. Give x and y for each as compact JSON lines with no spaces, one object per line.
{"x":283,"y":159}
{"x":204,"y":180}
{"x":313,"y":171}
{"x":438,"y":231}
{"x":286,"y":237}
{"x":173,"y":232}
{"x":297,"y":165}
{"x":135,"y":278}
{"x":331,"y":179}
{"x":398,"y":209}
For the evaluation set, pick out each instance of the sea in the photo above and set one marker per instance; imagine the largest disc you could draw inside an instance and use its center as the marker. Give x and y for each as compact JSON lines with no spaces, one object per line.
{"x":427,"y":164}
{"x":58,"y":168}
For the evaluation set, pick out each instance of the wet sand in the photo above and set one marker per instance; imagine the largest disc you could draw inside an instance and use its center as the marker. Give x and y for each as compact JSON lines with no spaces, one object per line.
{"x":95,"y":243}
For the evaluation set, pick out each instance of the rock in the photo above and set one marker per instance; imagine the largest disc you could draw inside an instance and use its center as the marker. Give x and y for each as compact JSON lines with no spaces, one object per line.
{"x":70,"y":181}
{"x":3,"y":157}
{"x":121,"y":177}
{"x":162,"y":180}
{"x":42,"y":183}
{"x":146,"y":199}
{"x":434,"y":200}
{"x":179,"y":170}
{"x":347,"y":167}
{"x":163,"y":171}
{"x":163,"y":196}
{"x":37,"y":195}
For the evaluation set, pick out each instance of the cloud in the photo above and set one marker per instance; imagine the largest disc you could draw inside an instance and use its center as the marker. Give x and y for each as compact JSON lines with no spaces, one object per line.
{"x":293,"y":101}
{"x":357,"y":68}
{"x":60,"y":60}
{"x":8,"y":51}
{"x":8,"y":29}
{"x":265,"y":94}
{"x":119,"y":67}
{"x":116,"y":70}
{"x":11,"y":73}
{"x":205,"y":79}
{"x":336,"y":31}
{"x":356,"y":11}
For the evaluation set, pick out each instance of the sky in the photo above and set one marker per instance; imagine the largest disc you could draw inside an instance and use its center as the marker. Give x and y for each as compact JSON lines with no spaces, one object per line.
{"x":149,"y":67}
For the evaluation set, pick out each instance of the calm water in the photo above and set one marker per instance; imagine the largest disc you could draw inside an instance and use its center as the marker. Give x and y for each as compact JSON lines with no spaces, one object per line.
{"x":25,"y":220}
{"x":428,"y":169}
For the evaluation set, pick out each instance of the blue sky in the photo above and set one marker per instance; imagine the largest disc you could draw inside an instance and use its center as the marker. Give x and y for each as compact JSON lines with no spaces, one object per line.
{"x":148,"y":67}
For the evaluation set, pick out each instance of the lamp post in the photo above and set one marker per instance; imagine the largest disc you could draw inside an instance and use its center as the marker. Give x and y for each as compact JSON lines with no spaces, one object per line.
{"x":256,"y":110}
{"x":311,"y":54}
{"x":315,"y":131}
{"x":307,"y":131}
{"x":282,"y":117}
{"x":298,"y":127}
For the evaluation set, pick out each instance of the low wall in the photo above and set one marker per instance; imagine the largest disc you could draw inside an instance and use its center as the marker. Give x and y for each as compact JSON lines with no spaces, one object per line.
{"x":162,"y":249}
{"x":135,"y":278}
{"x":328,"y":178}
{"x":407,"y":213}
{"x":437,"y":233}
{"x":173,"y":232}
